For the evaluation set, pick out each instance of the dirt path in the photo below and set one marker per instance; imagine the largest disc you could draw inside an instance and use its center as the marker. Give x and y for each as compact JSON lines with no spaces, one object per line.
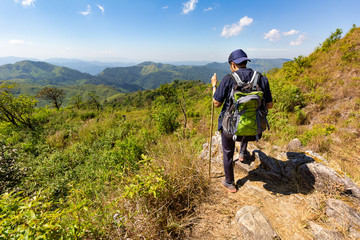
{"x":288,"y":213}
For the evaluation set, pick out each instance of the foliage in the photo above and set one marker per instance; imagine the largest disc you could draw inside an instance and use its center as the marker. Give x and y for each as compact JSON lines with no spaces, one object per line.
{"x":76,"y":101}
{"x":10,"y":171}
{"x":149,"y":184}
{"x":55,"y":95}
{"x":165,"y":116}
{"x":320,"y":130}
{"x":39,"y":217}
{"x":93,"y":101}
{"x":16,"y":110}
{"x":333,"y":38}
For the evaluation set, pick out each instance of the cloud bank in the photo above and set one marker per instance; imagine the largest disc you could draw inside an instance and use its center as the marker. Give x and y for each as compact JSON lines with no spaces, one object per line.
{"x":16,"y":42}
{"x":236,"y":28}
{"x":101,"y":8}
{"x":26,"y":2}
{"x":273,"y":35}
{"x":87,"y":11}
{"x":298,"y":41}
{"x":189,"y":6}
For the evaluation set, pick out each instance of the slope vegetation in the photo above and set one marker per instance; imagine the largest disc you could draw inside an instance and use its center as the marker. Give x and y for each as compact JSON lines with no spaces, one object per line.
{"x":42,"y":73}
{"x":317,"y":99}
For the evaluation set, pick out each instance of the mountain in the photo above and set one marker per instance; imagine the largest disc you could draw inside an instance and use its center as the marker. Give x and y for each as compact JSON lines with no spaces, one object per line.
{"x":42,"y":73}
{"x":150,"y":75}
{"x":91,"y":67}
{"x":12,"y":60}
{"x":146,"y":75}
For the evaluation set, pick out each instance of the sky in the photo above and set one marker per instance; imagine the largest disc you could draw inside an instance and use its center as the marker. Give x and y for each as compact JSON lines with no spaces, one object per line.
{"x":169,"y":30}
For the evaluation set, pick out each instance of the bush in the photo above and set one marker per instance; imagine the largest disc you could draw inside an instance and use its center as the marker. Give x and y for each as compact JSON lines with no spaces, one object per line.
{"x":165,"y":116}
{"x":333,"y":38}
{"x":320,"y":130}
{"x":10,"y":171}
{"x":39,"y":217}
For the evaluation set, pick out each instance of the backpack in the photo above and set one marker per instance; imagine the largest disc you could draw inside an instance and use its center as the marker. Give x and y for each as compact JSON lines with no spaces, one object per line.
{"x":246,"y":114}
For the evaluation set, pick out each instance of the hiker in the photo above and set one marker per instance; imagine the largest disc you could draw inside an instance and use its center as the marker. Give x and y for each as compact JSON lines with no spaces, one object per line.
{"x":221,"y":95}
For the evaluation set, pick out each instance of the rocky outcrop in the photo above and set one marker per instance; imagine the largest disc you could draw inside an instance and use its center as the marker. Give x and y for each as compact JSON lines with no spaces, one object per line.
{"x":300,"y":171}
{"x":289,"y":173}
{"x":342,"y":215}
{"x":254,"y":225}
{"x":320,"y":233}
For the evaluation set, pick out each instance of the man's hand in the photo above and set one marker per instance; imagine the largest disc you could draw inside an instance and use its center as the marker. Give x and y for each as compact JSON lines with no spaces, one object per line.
{"x":213,"y":84}
{"x":214,"y":80}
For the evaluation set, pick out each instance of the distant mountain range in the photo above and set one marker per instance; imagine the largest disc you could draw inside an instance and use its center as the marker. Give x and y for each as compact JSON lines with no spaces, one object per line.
{"x":146,"y":75}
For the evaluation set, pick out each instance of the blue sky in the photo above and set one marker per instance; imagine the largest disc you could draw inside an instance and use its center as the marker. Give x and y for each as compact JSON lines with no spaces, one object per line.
{"x":169,"y":30}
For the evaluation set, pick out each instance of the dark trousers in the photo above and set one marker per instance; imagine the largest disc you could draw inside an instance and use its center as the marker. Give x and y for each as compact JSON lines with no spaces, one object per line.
{"x":228,"y":147}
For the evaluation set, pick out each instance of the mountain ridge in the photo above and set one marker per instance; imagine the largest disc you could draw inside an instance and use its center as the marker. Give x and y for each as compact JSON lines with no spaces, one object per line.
{"x":145,"y":75}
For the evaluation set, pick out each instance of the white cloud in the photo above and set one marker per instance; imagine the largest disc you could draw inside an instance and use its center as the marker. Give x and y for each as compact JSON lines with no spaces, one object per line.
{"x":273,"y":35}
{"x":208,"y":9}
{"x":87,"y":12}
{"x":236,"y":28}
{"x":16,"y":42}
{"x":189,"y":6}
{"x":26,"y":2}
{"x":101,"y":8}
{"x":298,"y":41}
{"x":291,"y":32}
{"x":165,"y":7}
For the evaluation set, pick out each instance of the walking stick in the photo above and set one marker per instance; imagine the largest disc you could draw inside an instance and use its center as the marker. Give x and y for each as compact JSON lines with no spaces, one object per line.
{"x":212,"y":120}
{"x":211,"y":130}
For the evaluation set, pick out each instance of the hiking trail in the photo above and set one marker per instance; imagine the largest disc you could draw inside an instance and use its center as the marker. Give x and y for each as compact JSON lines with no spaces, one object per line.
{"x":293,"y":195}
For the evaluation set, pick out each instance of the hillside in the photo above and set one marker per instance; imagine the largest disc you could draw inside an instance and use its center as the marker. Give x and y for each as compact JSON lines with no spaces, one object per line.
{"x":136,"y":167}
{"x":42,"y":73}
{"x":150,"y":75}
{"x":147,"y":75}
{"x":317,"y":99}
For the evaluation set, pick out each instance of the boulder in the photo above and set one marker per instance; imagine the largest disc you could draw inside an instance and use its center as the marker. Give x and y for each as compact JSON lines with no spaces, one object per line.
{"x":327,"y":179}
{"x":320,"y":233}
{"x":341,"y":213}
{"x":254,"y":225}
{"x":294,"y":145}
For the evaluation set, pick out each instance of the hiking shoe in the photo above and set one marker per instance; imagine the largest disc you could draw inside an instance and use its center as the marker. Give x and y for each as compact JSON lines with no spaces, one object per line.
{"x":229,"y":186}
{"x":244,"y":157}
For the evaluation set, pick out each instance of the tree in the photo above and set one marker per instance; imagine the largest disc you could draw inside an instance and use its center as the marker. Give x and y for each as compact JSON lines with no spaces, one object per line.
{"x":94,"y":101}
{"x":17,"y":111}
{"x":55,"y":95}
{"x":76,"y":101}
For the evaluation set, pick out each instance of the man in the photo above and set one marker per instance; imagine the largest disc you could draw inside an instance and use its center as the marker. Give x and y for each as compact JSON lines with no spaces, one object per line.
{"x":237,"y":61}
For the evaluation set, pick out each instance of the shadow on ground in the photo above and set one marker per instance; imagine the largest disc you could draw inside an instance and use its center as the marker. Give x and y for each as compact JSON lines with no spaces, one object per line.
{"x":284,"y":177}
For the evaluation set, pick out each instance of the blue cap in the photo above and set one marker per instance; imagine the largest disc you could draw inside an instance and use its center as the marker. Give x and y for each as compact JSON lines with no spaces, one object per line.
{"x":238,"y":56}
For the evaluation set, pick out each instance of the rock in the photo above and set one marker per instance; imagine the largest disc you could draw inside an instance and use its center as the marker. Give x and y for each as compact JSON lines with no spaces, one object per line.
{"x":320,"y":233}
{"x":317,"y":157}
{"x":325,"y":178}
{"x":254,"y":225}
{"x":304,"y":171}
{"x":342,"y":213}
{"x":353,"y":234}
{"x":295,"y":145}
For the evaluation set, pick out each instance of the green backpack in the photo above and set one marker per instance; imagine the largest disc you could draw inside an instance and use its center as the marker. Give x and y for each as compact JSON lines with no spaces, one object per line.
{"x":246,"y":114}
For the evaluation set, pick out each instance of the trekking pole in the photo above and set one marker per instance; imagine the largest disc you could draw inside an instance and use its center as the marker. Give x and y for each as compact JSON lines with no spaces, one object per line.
{"x":211,"y":129}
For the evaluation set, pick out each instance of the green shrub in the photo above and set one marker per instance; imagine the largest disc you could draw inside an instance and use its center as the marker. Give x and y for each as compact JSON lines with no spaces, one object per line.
{"x":39,"y":217}
{"x":320,"y":130}
{"x":333,"y":38}
{"x":288,"y":97}
{"x":87,"y":115}
{"x":300,"y":115}
{"x":165,"y":116}
{"x":10,"y":171}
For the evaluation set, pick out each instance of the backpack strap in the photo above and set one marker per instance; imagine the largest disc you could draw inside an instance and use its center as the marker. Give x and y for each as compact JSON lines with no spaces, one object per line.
{"x":254,"y":80}
{"x":237,"y":78}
